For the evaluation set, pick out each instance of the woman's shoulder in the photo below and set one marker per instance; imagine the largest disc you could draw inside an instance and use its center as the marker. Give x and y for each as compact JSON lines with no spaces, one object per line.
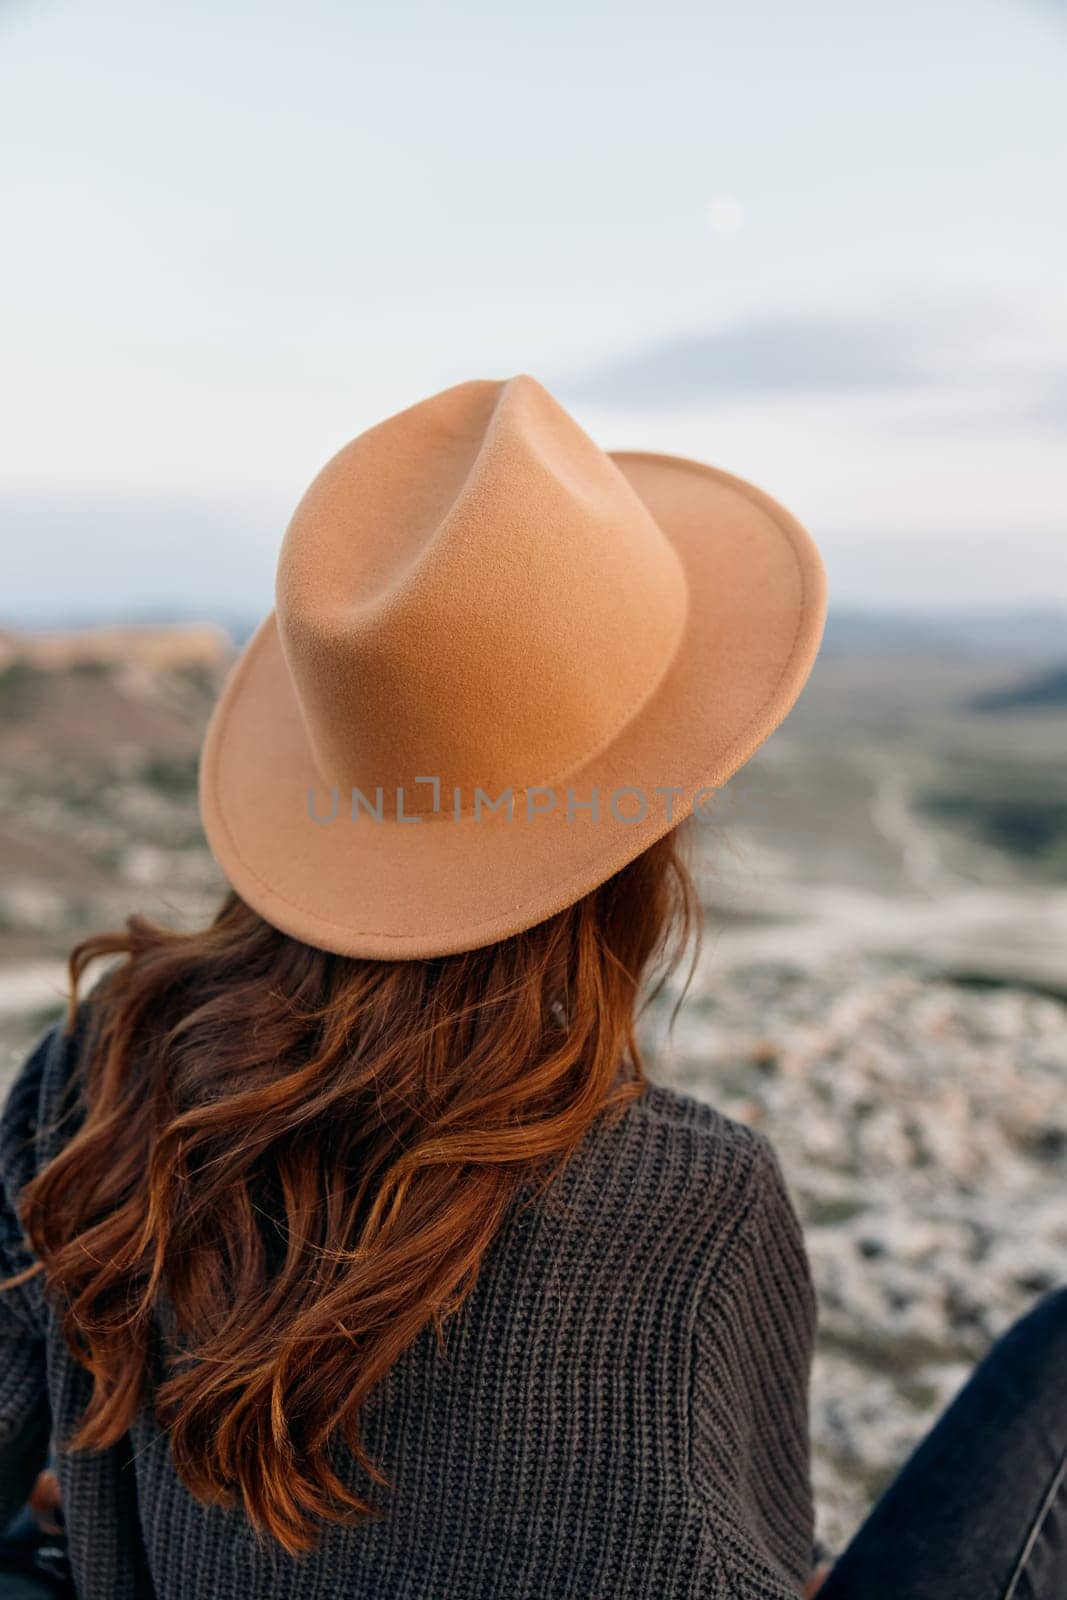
{"x":36,"y":1110}
{"x":660,"y":1103}
{"x":692,"y":1183}
{"x":689,"y":1203}
{"x":31,"y":1124}
{"x":690,"y":1143}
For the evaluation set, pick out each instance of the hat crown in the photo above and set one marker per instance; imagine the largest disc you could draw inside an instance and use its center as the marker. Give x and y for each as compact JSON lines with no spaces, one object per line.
{"x":472,"y":591}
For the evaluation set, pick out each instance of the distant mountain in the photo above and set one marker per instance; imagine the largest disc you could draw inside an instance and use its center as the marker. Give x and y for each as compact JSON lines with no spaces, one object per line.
{"x":239,"y":626}
{"x":107,"y":695}
{"x":1037,"y":636}
{"x":1026,"y":635}
{"x":1039,"y":691}
{"x":154,"y":646}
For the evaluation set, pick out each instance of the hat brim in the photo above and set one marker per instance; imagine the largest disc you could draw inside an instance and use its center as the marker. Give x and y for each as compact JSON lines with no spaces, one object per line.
{"x":402,"y":889}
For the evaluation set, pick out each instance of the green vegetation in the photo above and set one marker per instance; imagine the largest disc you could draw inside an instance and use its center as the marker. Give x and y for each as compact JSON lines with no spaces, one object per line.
{"x":1019,"y":808}
{"x":175,"y":776}
{"x":1043,"y":690}
{"x":20,"y":690}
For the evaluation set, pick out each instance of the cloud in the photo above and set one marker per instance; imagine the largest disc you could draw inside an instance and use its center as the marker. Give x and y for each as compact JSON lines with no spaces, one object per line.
{"x":782,"y":355}
{"x":1048,"y":403}
{"x":1004,"y":401}
{"x":937,"y":354}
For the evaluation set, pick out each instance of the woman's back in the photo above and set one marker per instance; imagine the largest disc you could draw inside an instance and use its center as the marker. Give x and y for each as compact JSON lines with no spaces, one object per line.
{"x":373,"y":1265}
{"x":618,"y":1409}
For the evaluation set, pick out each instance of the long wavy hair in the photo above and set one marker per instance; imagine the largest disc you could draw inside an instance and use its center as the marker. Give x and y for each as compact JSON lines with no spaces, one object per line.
{"x":304,"y":1157}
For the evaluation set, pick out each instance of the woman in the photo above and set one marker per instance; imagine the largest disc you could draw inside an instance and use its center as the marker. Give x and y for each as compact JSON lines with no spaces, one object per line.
{"x":349,"y":1250}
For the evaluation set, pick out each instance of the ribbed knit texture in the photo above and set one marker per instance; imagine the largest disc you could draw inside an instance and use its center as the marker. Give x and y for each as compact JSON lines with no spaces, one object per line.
{"x":620,"y":1412}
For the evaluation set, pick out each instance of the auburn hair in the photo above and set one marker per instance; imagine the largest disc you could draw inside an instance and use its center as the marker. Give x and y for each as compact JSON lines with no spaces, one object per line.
{"x":304,"y":1157}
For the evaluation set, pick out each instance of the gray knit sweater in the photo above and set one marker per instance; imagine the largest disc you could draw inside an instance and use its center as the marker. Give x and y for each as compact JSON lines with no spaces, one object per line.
{"x":620,"y":1412}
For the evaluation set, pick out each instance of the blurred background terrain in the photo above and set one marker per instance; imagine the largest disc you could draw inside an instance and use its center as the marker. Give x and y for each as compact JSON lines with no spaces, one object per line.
{"x":812,"y":245}
{"x":883,"y":984}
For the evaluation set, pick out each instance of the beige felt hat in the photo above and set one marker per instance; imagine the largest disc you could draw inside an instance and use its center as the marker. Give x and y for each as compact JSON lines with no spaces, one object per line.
{"x":502,"y":663}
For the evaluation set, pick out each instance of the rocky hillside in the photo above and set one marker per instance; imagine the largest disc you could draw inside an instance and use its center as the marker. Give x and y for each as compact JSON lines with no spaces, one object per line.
{"x":922,"y":1126}
{"x":882,"y":987}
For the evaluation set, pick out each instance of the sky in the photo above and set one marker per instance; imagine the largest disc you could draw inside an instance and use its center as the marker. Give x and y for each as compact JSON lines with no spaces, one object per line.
{"x":820,"y":246}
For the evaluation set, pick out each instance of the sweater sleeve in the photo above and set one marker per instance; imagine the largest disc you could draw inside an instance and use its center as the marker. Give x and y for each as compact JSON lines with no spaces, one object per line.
{"x":24,"y":1413}
{"x":755,"y":1335}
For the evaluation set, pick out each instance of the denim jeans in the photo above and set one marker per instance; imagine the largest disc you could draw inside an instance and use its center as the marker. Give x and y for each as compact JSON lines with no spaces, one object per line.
{"x":33,"y":1565}
{"x":979,"y":1512}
